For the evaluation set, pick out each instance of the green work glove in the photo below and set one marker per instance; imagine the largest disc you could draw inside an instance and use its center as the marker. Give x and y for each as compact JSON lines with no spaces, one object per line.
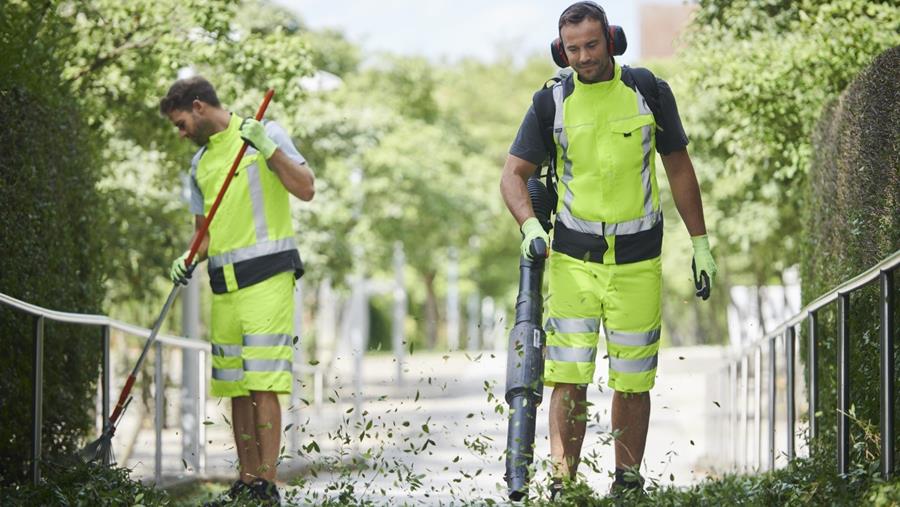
{"x":532,"y":230}
{"x":704,"y":266}
{"x":181,"y":273}
{"x":254,"y":133}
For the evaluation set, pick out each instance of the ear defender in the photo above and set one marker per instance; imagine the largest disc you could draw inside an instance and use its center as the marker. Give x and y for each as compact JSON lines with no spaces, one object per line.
{"x":558,"y":53}
{"x":617,"y":44}
{"x":617,"y":41}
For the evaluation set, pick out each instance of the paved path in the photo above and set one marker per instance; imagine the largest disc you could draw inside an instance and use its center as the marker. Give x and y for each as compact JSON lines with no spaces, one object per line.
{"x":439,"y":439}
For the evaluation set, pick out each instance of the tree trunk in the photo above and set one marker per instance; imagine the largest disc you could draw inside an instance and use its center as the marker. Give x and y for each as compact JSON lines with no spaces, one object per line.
{"x":431,"y":310}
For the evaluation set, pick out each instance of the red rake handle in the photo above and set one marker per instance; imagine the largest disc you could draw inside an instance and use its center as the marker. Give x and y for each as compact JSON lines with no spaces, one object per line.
{"x":120,"y":405}
{"x":201,"y":232}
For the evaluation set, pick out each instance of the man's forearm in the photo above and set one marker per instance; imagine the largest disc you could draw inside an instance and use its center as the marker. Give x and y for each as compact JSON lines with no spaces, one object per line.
{"x":514,"y":189}
{"x":297,"y":178}
{"x":685,"y":191}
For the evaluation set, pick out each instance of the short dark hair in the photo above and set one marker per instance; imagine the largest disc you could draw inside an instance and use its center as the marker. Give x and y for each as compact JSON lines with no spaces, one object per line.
{"x":577,"y":12}
{"x":184,"y":92}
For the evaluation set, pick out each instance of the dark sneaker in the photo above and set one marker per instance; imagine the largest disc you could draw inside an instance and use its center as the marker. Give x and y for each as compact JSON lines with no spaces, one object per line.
{"x":266,"y":492}
{"x":238,"y":491}
{"x":556,"y":490}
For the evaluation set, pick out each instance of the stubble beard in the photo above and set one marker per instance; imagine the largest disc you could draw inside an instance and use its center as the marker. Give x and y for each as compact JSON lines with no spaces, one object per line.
{"x":201,"y":137}
{"x":602,"y":72}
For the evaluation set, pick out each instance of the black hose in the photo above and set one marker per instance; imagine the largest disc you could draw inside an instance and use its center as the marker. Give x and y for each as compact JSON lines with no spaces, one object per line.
{"x":540,"y":202}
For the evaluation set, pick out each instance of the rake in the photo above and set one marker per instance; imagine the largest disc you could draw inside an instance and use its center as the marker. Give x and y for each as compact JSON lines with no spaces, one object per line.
{"x":101,"y":449}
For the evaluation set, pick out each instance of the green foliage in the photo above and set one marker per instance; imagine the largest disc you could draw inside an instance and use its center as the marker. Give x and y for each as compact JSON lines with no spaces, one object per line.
{"x":802,"y":482}
{"x":331,"y":52}
{"x":53,"y":257}
{"x":84,"y":485}
{"x":759,"y":73}
{"x":483,"y":103}
{"x":852,"y":223}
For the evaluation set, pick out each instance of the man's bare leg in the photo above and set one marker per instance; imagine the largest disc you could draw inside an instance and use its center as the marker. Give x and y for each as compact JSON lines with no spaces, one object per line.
{"x":268,"y":432}
{"x":630,"y":420}
{"x":568,"y":419}
{"x":244,"y":425}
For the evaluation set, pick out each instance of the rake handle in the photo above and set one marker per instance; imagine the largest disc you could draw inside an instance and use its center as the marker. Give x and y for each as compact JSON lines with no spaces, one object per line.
{"x":123,"y":397}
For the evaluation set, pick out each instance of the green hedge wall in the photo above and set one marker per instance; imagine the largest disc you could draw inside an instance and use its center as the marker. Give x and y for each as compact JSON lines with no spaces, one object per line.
{"x":852,"y":215}
{"x":52,"y":256}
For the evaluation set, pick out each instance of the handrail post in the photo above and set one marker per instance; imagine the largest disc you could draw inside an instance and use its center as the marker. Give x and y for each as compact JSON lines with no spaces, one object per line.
{"x":887,"y":374}
{"x":813,"y":374}
{"x":757,"y":422}
{"x":843,"y":358}
{"x":104,"y":383}
{"x":732,"y":412}
{"x":37,"y":401}
{"x":745,"y":411}
{"x":772,"y":392}
{"x":201,"y":412}
{"x":158,"y":401}
{"x":789,"y":361}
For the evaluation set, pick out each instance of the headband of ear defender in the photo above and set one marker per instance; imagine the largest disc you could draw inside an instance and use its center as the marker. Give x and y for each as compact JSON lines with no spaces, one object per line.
{"x":616,"y":43}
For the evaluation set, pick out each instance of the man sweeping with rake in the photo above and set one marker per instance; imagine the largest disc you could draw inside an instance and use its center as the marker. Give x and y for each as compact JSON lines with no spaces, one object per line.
{"x":252,"y":263}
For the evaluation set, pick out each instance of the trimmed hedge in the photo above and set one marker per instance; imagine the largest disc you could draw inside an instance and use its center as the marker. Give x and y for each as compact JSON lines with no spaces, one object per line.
{"x":52,"y":256}
{"x":852,"y":221}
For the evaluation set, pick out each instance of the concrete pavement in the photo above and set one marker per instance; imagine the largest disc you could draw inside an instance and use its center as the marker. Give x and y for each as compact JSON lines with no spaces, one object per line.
{"x":439,"y":439}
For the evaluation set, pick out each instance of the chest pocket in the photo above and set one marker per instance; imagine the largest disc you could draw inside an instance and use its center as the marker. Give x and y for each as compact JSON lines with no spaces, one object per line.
{"x":629,"y":141}
{"x":626,"y":127}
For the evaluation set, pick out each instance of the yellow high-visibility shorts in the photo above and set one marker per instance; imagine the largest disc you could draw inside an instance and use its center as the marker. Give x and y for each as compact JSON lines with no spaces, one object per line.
{"x":252,"y":338}
{"x":625,"y":299}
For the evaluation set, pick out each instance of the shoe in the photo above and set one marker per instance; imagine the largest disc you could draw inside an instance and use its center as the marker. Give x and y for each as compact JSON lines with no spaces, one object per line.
{"x":266,"y":492}
{"x":239,"y":490}
{"x":556,"y":490}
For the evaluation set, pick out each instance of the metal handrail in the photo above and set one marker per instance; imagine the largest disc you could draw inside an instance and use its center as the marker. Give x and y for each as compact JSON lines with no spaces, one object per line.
{"x":888,"y":264}
{"x":105,"y":323}
{"x":884,"y":272}
{"x":102,"y":320}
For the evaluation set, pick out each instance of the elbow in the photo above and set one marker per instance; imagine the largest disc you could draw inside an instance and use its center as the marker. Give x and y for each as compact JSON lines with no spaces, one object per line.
{"x":307,"y":193}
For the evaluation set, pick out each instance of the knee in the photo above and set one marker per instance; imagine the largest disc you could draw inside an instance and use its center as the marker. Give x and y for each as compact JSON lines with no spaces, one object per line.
{"x":265,"y":400}
{"x":570,"y":392}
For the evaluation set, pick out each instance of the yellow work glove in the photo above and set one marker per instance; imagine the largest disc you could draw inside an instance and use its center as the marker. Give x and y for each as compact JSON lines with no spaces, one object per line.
{"x":180,"y":272}
{"x":254,"y":133}
{"x":704,"y":266}
{"x":531,"y":231}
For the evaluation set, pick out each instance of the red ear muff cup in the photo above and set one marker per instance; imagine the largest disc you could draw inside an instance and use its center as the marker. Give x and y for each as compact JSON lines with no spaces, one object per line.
{"x":617,"y":41}
{"x":558,"y":53}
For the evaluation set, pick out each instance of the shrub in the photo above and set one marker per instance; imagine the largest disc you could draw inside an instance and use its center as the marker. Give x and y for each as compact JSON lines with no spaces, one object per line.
{"x":52,"y":251}
{"x":86,"y":485}
{"x":852,"y":222}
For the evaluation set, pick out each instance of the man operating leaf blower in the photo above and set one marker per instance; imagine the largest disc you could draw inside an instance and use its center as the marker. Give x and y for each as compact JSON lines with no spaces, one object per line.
{"x":599,"y":125}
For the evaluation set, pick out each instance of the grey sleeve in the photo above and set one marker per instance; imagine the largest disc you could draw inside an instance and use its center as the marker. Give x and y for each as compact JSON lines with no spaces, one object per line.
{"x":528,"y":143}
{"x":670,"y":135}
{"x":196,"y":197}
{"x":283,"y":140}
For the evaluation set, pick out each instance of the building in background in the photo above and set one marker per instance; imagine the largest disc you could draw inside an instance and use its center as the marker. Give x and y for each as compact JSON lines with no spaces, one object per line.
{"x":661,"y":28}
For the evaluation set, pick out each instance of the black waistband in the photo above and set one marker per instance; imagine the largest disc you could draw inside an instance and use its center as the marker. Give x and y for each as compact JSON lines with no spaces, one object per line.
{"x":252,"y":271}
{"x":636,"y":247}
